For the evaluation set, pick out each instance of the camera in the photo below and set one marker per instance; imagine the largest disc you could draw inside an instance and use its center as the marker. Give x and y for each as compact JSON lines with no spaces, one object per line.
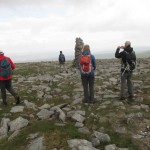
{"x":122,"y":47}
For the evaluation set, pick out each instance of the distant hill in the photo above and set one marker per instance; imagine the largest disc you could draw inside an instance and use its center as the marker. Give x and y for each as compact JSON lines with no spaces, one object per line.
{"x":144,"y":54}
{"x":109,"y":55}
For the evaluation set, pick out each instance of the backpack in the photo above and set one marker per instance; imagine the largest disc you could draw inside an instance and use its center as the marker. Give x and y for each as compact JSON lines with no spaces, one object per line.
{"x":85,"y":64}
{"x":5,"y":68}
{"x":62,"y":58}
{"x":130,"y":62}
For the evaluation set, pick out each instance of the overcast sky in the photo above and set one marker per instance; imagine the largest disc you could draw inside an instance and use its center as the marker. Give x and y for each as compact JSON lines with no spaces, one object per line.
{"x":32,"y":29}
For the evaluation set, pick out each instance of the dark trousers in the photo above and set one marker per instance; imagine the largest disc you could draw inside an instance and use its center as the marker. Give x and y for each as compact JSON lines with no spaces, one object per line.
{"x":126,"y":77}
{"x":88,"y":87}
{"x":7,"y":85}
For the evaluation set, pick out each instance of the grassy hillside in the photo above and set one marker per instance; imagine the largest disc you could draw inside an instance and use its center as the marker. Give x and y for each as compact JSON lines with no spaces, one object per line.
{"x":41,"y":83}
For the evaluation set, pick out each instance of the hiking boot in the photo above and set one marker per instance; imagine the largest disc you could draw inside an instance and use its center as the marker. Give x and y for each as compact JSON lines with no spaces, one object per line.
{"x":5,"y":103}
{"x":17,"y":100}
{"x":122,"y":98}
{"x":93,"y":101}
{"x":85,"y":101}
{"x":130,"y":96}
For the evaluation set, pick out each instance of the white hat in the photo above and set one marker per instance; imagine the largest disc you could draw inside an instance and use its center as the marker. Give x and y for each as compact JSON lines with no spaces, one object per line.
{"x":1,"y":52}
{"x":127,"y":43}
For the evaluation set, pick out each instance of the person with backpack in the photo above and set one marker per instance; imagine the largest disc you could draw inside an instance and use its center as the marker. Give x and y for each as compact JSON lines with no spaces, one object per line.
{"x":128,"y":63}
{"x":87,"y":68}
{"x":6,"y":67}
{"x":61,"y":61}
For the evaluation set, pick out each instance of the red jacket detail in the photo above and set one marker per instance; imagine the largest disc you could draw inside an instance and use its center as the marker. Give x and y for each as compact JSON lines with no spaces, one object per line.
{"x":12,"y":66}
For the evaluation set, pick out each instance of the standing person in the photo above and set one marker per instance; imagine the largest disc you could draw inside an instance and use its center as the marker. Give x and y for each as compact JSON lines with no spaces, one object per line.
{"x":61,"y":61}
{"x":128,"y":62}
{"x":6,"y":67}
{"x":87,"y":67}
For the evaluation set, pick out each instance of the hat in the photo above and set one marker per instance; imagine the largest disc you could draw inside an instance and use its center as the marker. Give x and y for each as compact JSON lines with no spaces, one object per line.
{"x":127,"y":43}
{"x":1,"y":52}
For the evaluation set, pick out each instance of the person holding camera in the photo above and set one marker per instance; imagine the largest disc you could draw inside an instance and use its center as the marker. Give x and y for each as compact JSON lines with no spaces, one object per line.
{"x":128,"y":61}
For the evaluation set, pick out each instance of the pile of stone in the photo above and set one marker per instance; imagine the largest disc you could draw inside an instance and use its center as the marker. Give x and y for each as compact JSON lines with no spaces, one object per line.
{"x":78,"y":51}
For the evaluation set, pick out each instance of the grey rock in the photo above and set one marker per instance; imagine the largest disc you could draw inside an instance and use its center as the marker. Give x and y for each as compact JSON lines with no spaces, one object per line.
{"x":62,"y":115}
{"x":106,"y":103}
{"x":33,"y":136}
{"x":77,"y":101}
{"x":45,"y":106}
{"x":65,"y":97}
{"x":75,"y":142}
{"x":79,"y":124}
{"x":17,"y":109}
{"x":44,"y":114}
{"x":84,"y":130}
{"x":110,"y":96}
{"x":57,"y":90}
{"x":3,"y":132}
{"x":133,"y":116}
{"x":104,"y":138}
{"x":14,"y":135}
{"x":37,"y":144}
{"x":146,"y":107}
{"x":139,"y":99}
{"x":116,"y":103}
{"x":5,"y":122}
{"x":18,"y":124}
{"x":84,"y":147}
{"x":77,"y":117}
{"x":136,"y":107}
{"x":111,"y":147}
{"x":95,"y":142}
{"x":30,"y":105}
{"x":4,"y":127}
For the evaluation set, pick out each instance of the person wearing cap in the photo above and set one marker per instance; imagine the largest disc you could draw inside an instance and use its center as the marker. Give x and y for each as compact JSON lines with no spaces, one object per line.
{"x":6,"y":82}
{"x":125,"y":75}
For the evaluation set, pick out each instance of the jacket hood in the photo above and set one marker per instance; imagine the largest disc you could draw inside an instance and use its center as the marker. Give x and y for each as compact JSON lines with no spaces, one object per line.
{"x":2,"y":57}
{"x":86,"y":52}
{"x":128,"y":49}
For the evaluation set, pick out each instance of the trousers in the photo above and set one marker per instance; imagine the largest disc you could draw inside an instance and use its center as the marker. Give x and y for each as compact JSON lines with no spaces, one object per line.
{"x":88,"y":87}
{"x":7,"y":85}
{"x":126,"y":78}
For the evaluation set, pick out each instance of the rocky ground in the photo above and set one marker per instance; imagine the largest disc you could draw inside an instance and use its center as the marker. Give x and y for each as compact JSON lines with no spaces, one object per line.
{"x":53,"y":117}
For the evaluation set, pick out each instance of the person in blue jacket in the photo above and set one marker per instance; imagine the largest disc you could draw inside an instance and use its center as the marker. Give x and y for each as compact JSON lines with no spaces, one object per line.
{"x":88,"y":78}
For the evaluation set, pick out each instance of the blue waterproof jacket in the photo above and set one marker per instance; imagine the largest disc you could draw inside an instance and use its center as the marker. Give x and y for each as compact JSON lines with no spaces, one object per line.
{"x":93,"y":61}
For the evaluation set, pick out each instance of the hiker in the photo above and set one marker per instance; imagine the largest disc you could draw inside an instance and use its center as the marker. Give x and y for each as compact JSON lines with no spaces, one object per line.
{"x":6,"y":67}
{"x":87,"y":67}
{"x":62,"y":61}
{"x":128,"y":62}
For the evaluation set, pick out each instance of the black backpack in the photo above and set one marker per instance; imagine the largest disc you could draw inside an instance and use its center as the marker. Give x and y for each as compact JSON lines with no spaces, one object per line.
{"x":130,"y":63}
{"x":5,"y":68}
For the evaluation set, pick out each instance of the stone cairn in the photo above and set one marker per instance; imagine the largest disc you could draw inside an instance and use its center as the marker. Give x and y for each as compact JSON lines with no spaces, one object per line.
{"x":78,"y":51}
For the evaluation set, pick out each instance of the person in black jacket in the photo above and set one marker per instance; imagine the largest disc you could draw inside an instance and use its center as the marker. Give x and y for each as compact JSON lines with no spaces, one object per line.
{"x":126,"y":75}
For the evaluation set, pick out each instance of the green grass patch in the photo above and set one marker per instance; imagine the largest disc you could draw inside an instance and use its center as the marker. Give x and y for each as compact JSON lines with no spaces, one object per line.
{"x":55,"y":136}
